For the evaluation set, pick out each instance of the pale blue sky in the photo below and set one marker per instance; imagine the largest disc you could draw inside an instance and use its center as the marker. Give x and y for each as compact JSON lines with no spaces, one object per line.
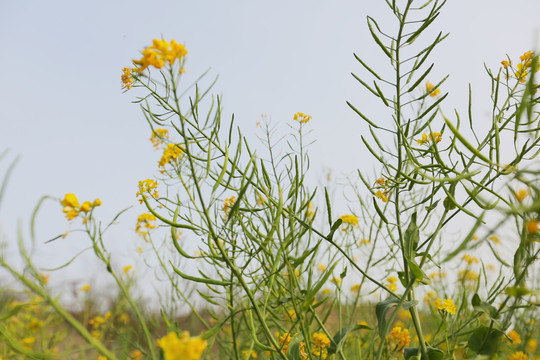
{"x":62,"y":108}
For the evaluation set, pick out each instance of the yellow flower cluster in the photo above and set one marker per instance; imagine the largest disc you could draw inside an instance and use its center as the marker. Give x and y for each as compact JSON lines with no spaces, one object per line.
{"x":72,"y":209}
{"x":158,"y":137}
{"x":392,"y":283}
{"x":246,"y":354}
{"x":228,"y":204}
{"x":160,"y":53}
{"x":469,"y":259}
{"x":526,"y":62}
{"x":514,"y":337}
{"x":183,"y":347}
{"x":521,"y":194}
{"x":284,"y":341}
{"x":320,"y":344}
{"x":429,"y":89}
{"x":445,"y":305}
{"x":127,"y":78}
{"x":382,"y":184}
{"x":349,"y":221}
{"x":303,"y":118}
{"x":171,"y":152}
{"x":145,"y":224}
{"x":126,"y":269}
{"x":400,"y":337}
{"x":97,"y":323}
{"x":147,"y":186}
{"x":518,"y":355}
{"x":431,"y":138}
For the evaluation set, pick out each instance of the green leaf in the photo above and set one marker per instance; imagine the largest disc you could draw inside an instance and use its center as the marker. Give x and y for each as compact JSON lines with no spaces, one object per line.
{"x":412,"y":353}
{"x":419,"y":274}
{"x":484,"y":307}
{"x":484,"y":340}
{"x":381,"y":310}
{"x":342,"y":335}
{"x":412,"y":236}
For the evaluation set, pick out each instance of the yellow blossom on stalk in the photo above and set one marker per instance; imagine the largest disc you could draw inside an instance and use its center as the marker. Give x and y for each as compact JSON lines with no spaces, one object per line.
{"x":127,"y":268}
{"x":246,"y":354}
{"x":127,"y":78}
{"x":382,"y":196}
{"x":183,"y":347}
{"x":495,"y":240}
{"x":171,"y":152}
{"x":159,"y":53}
{"x":321,"y":267}
{"x":506,"y":63}
{"x":336,"y":280}
{"x":355,"y":288}
{"x":228,"y":204}
{"x":85,"y":288}
{"x":392,"y":283}
{"x":101,"y":357}
{"x":526,"y":56}
{"x":86,"y":206}
{"x":431,"y":138}
{"x":326,"y":291}
{"x":284,"y":341}
{"x":429,"y":89}
{"x":532,"y":344}
{"x":158,"y":137}
{"x":292,"y":314}
{"x":514,"y":337}
{"x":521,"y":72}
{"x":147,"y":186}
{"x":469,"y":259}
{"x":320,"y":344}
{"x":145,"y":220}
{"x":532,"y":226}
{"x":521,"y":194}
{"x":136,"y":354}
{"x":466,"y":275}
{"x":364,"y":242}
{"x":400,"y":337}
{"x":303,"y":118}
{"x":44,"y":279}
{"x":445,"y":305}
{"x":96,"y":202}
{"x":349,"y":221}
{"x":518,"y":355}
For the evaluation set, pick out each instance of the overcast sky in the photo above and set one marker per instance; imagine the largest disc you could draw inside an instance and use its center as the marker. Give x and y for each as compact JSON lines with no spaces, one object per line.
{"x":63,"y":111}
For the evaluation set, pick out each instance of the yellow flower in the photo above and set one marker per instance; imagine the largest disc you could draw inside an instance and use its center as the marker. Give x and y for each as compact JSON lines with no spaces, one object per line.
{"x":171,"y":152}
{"x":145,"y":220}
{"x":44,"y":279}
{"x":349,"y":221}
{"x":526,"y":56}
{"x":469,"y":259}
{"x":70,"y":200}
{"x":126,"y":269}
{"x":136,"y":355}
{"x":85,"y":288}
{"x":431,"y":138}
{"x":506,"y":63}
{"x":246,"y":354}
{"x":521,"y":194}
{"x":521,"y":72}
{"x":320,"y":344}
{"x":326,"y":291}
{"x":158,"y":137}
{"x":391,"y":279}
{"x":400,"y":337}
{"x":429,"y":89}
{"x":86,"y":206}
{"x":355,"y":288}
{"x":146,"y":186}
{"x":532,"y":344}
{"x":228,"y":204}
{"x":382,"y":196}
{"x":181,"y":348}
{"x":495,"y":240}
{"x":284,"y":341}
{"x":127,"y":78}
{"x":321,"y":267}
{"x":159,"y":53}
{"x":532,"y":226}
{"x":336,"y":280}
{"x":518,"y":355}
{"x":102,"y":357}
{"x":303,"y":118}
{"x":445,"y":305}
{"x":514,"y":337}
{"x":292,"y":314}
{"x":96,"y":202}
